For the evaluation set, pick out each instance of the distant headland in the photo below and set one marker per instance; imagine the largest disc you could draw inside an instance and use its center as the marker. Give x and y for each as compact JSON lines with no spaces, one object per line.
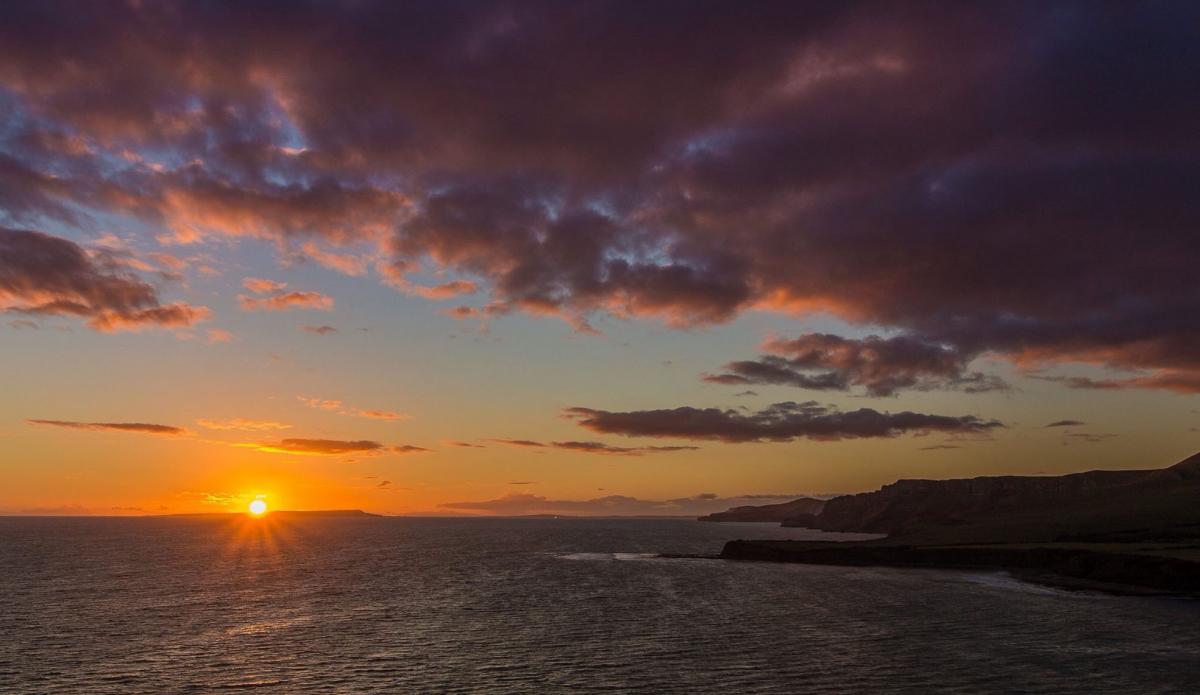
{"x":283,"y":513}
{"x":1132,"y":531}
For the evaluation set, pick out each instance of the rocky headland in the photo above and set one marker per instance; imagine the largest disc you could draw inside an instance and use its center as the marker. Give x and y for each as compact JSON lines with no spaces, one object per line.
{"x":777,"y":513}
{"x":1132,"y":530}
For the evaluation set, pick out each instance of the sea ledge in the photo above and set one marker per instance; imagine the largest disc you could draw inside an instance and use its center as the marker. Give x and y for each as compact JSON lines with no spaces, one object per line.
{"x":1170,"y":570}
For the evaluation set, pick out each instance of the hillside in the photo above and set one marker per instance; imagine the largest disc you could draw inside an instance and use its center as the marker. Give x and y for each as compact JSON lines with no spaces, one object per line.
{"x":1159,"y":504}
{"x":769,"y":512}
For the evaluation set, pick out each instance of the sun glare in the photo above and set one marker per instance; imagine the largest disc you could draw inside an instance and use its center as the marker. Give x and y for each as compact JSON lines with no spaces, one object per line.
{"x":258,"y":507}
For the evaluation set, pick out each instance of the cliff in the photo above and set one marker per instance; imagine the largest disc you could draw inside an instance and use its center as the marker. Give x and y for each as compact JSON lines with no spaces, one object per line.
{"x":1097,"y":505}
{"x":769,"y":512}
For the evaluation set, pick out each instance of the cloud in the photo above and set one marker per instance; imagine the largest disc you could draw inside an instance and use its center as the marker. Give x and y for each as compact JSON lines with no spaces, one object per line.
{"x":319,"y":330}
{"x":517,"y":504}
{"x":1179,"y":381}
{"x":333,"y":447}
{"x":344,"y":263}
{"x":320,"y":403}
{"x":44,"y":275}
{"x":780,"y":422}
{"x":523,"y":443}
{"x":594,"y":447}
{"x":342,"y":409}
{"x":882,"y":366}
{"x":133,"y":427}
{"x":1029,"y":194}
{"x":463,"y":445}
{"x":377,"y":414}
{"x":286,"y":301}
{"x":1089,"y":437}
{"x":242,"y":424}
{"x":318,"y":447}
{"x":446,"y":290}
{"x":610,"y":450}
{"x":1065,"y":423}
{"x":261,"y":286}
{"x":218,"y":335}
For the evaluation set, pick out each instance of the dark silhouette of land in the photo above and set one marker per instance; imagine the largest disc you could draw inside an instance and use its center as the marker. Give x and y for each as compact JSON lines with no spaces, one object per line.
{"x":285,"y":513}
{"x":1133,"y":530}
{"x":798,"y":508}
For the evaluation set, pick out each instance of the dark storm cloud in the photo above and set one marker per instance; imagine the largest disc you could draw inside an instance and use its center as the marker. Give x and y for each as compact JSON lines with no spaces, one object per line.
{"x":1065,"y":423}
{"x":46,"y":275}
{"x":780,"y":422}
{"x":134,"y":427}
{"x":882,"y":366}
{"x":1020,"y":179}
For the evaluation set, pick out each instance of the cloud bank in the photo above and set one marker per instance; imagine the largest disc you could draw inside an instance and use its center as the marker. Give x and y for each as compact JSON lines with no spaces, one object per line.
{"x":781,"y":422}
{"x":44,"y":275}
{"x":1018,"y":179}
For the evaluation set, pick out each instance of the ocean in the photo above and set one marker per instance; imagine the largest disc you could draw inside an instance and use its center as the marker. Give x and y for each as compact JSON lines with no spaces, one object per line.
{"x":412,"y":605}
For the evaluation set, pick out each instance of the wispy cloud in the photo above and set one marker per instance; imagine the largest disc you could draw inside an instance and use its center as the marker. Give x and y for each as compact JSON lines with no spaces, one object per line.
{"x":242,"y":424}
{"x":285,"y":301}
{"x":133,"y":427}
{"x":332,"y":447}
{"x":341,"y":408}
{"x":318,"y":447}
{"x":594,"y":447}
{"x":261,"y":286}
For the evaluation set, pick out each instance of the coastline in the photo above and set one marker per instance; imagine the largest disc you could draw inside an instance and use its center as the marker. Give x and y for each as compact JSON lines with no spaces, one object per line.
{"x":1133,"y":571}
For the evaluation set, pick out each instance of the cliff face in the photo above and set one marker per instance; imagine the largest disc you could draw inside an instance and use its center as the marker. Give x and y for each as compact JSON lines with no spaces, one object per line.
{"x":769,"y":512}
{"x":1021,"y":507}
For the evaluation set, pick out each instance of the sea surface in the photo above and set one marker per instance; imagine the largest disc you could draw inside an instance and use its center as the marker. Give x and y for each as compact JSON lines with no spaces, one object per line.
{"x":403,"y":605}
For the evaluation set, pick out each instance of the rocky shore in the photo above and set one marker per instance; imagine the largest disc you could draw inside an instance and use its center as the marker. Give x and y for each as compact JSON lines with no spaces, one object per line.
{"x":1172,"y":569}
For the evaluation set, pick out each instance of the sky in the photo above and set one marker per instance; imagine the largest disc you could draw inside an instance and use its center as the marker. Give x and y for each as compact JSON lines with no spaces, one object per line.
{"x":589,"y":257}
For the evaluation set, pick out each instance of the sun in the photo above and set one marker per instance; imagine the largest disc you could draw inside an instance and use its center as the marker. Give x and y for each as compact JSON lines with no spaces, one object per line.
{"x":258,"y":507}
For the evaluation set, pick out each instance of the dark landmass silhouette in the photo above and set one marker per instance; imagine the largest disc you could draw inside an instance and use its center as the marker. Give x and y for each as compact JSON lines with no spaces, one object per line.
{"x":1136,"y":530}
{"x":283,"y":513}
{"x":769,"y":512}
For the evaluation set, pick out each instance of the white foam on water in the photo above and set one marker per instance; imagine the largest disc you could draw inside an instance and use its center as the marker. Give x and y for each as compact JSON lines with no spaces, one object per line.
{"x":608,"y":556}
{"x":1004,"y":580}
